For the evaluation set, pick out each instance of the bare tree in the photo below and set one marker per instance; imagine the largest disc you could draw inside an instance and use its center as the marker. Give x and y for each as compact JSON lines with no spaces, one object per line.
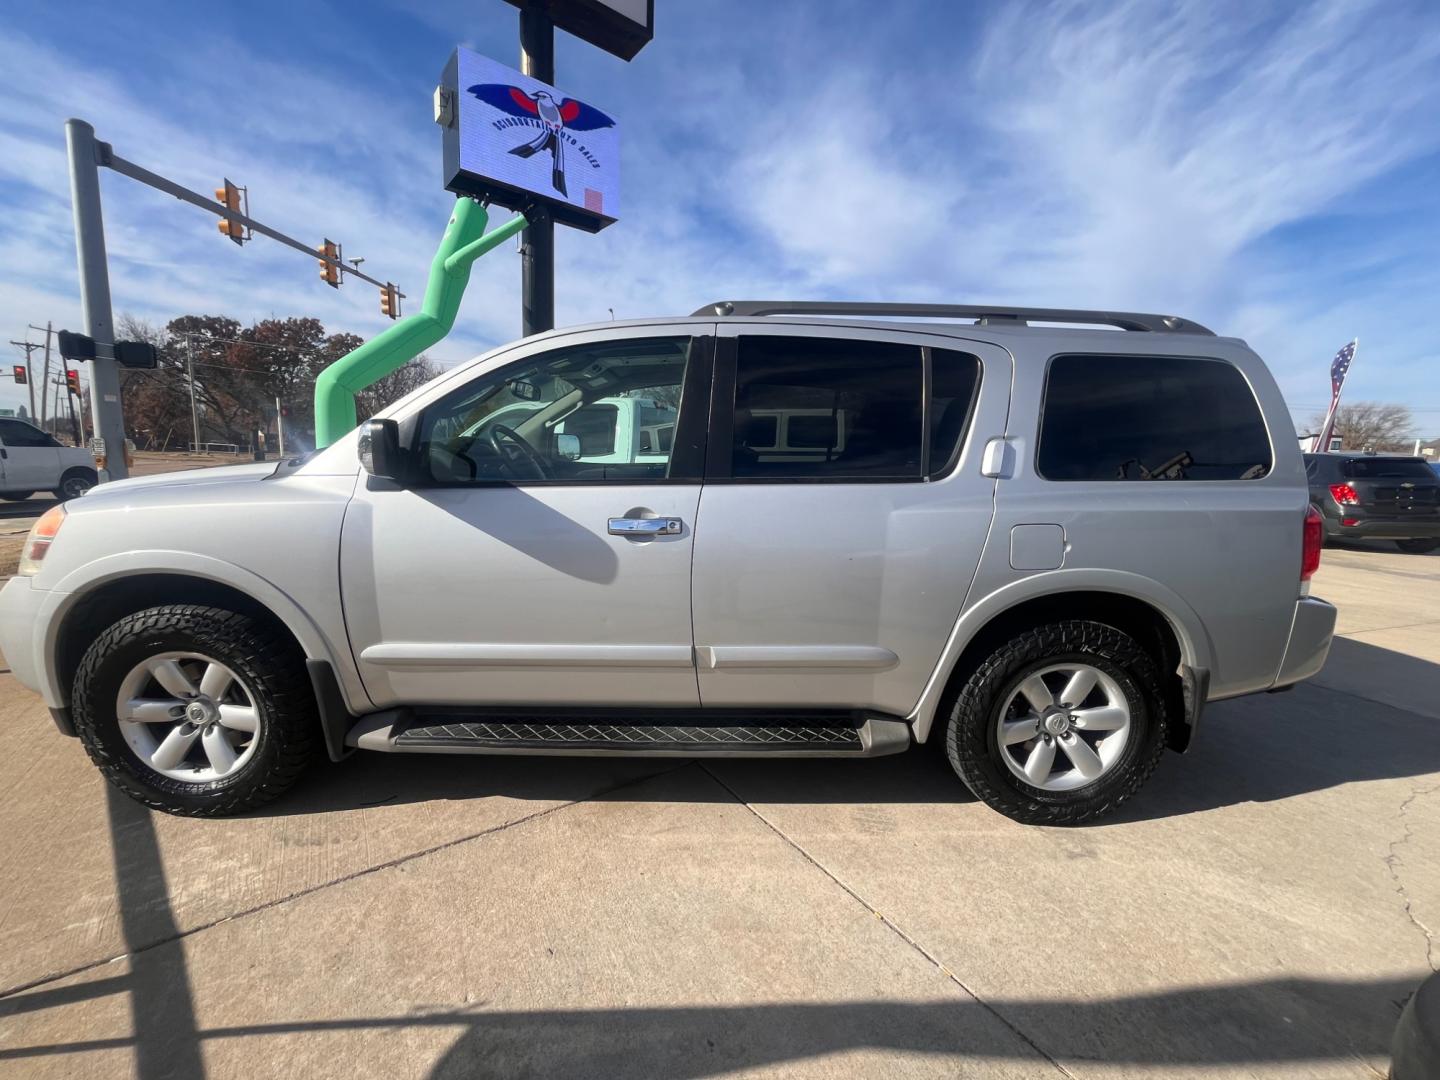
{"x":1370,"y":425}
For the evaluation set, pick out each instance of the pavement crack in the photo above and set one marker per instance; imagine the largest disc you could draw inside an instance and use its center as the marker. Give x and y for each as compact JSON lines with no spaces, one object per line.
{"x":1393,"y":863}
{"x":891,"y":925}
{"x":366,"y":871}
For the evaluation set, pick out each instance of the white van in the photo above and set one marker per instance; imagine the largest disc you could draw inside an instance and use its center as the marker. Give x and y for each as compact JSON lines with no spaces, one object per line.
{"x":31,"y":461}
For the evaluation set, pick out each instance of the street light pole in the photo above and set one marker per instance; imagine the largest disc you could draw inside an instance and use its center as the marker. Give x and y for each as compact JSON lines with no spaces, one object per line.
{"x":537,"y":242}
{"x":190,"y":378}
{"x":105,"y":410}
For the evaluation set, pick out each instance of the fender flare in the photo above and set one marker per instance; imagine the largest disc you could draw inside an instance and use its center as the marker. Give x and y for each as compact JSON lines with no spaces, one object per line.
{"x":84,"y":580}
{"x":1196,"y":649}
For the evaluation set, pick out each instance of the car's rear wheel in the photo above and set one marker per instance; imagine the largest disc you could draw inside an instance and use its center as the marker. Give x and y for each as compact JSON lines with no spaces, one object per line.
{"x":195,"y":710}
{"x":1419,"y":546}
{"x":1060,"y":724}
{"x":74,"y":483}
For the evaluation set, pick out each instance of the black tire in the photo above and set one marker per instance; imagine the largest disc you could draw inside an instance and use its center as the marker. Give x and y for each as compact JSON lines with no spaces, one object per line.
{"x":1419,"y":546}
{"x":265,"y":660}
{"x":16,"y":496}
{"x":75,"y":482}
{"x":971,"y":737}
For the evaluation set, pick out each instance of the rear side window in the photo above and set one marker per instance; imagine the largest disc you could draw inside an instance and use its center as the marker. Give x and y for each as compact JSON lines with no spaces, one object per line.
{"x":826,"y":408}
{"x":1150,"y":418}
{"x":1388,"y":468}
{"x":838,"y":409}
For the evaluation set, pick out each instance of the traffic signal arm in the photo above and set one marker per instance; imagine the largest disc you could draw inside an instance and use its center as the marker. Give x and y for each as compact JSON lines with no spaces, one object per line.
{"x":465,"y":240}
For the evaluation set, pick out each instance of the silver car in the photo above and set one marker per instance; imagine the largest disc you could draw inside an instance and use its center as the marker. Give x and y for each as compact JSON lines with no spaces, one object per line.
{"x":828,"y":530}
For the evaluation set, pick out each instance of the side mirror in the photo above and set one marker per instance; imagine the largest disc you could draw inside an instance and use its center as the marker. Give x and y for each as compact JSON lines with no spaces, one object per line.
{"x":567,"y":446}
{"x":379,"y":449}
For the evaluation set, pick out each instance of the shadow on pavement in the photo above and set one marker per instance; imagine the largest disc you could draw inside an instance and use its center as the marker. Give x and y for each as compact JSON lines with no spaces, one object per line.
{"x":1256,"y":749}
{"x":1275,"y":1022}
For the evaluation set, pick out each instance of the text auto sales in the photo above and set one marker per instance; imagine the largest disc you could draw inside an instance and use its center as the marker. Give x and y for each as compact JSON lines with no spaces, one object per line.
{"x":525,"y":121}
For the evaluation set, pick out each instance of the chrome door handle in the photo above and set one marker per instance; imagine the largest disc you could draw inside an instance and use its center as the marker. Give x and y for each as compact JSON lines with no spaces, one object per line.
{"x":661,"y":526}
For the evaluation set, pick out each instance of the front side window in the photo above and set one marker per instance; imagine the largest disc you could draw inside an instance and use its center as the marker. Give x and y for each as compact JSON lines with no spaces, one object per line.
{"x":16,"y":433}
{"x":1150,"y":418}
{"x":594,"y":412}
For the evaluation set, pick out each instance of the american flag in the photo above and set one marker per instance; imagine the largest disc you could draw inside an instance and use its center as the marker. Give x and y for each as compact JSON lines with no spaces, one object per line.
{"x":1338,"y":369}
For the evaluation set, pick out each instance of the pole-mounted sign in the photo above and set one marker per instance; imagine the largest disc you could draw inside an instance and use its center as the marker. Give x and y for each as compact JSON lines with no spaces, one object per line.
{"x":516,"y":141}
{"x":622,"y":27}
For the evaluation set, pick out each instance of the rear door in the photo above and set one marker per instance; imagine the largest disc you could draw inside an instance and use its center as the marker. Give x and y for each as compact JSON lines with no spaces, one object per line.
{"x":843,"y":512}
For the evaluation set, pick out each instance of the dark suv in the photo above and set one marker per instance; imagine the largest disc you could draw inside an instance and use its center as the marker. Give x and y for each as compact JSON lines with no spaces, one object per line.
{"x":1377,"y":497}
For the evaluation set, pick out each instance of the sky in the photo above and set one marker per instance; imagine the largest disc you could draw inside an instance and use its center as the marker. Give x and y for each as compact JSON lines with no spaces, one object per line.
{"x":1269,"y":170}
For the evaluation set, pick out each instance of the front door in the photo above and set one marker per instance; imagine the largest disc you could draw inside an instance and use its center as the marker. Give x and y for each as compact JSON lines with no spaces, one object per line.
{"x":541,"y":555}
{"x":843,"y":514}
{"x":32,"y":458}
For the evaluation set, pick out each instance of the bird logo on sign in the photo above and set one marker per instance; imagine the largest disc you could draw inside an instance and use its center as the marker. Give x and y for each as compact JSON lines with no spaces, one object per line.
{"x":554,"y":116}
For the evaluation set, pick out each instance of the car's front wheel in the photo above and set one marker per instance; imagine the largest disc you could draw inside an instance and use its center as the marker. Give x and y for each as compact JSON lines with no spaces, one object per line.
{"x":74,"y":483}
{"x":195,"y":710}
{"x":1419,"y":546}
{"x":1060,"y":724}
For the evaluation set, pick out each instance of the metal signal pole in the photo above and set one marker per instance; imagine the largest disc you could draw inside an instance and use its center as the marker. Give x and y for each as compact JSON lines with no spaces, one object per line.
{"x":537,"y":242}
{"x":105,"y":411}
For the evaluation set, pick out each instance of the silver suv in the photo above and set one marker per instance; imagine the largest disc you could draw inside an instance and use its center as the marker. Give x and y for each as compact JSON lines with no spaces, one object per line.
{"x":824,"y":530}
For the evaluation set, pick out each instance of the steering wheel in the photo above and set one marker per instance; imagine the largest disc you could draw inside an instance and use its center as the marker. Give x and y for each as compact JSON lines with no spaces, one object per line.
{"x":512,"y":447}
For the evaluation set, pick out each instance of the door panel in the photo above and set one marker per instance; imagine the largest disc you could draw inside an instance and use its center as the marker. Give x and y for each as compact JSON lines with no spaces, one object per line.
{"x":515,"y":568}
{"x":517,"y":596}
{"x":833,"y":594}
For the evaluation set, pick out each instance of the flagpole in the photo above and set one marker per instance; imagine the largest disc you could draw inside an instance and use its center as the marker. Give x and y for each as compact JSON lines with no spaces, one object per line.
{"x":1324,"y":442}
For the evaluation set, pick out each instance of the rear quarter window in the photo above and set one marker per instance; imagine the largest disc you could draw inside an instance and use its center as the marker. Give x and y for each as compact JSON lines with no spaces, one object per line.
{"x":1118,"y":418}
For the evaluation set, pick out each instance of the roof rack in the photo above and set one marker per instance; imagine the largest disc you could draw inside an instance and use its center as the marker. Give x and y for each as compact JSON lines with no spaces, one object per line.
{"x":984,"y":316}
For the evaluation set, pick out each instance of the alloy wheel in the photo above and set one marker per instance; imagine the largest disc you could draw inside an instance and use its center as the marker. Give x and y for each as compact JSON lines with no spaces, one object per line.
{"x":188,"y":717}
{"x":1064,"y":726}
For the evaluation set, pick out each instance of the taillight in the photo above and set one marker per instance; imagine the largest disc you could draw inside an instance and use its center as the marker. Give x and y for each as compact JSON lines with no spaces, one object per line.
{"x":1344,"y":494}
{"x":42,"y":534}
{"x":1310,"y":547}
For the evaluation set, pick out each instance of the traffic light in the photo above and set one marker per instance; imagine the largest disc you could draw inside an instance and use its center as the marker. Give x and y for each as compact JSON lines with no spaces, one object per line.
{"x":21,"y":375}
{"x":72,"y":381}
{"x":390,"y":300}
{"x":329,"y":272}
{"x":229,"y":197}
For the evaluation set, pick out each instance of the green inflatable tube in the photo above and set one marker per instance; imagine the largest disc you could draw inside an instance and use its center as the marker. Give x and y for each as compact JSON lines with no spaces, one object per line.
{"x":465,"y":241}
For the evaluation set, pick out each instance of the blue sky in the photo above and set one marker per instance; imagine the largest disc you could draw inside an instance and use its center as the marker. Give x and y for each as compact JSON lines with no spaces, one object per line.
{"x":1272,"y":171}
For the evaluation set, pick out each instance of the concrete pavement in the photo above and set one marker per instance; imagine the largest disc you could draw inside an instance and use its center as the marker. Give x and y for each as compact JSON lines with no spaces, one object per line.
{"x":1261,"y":909}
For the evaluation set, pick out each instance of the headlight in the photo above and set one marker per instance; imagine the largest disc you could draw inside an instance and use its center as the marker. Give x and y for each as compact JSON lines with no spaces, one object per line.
{"x":42,"y":535}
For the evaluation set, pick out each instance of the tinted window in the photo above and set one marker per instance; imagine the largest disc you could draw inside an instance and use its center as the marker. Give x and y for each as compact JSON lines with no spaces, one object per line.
{"x":834,"y":409}
{"x":1150,"y":418}
{"x":17,"y":434}
{"x":1397,"y":468}
{"x":602,"y":411}
{"x":954,"y":379}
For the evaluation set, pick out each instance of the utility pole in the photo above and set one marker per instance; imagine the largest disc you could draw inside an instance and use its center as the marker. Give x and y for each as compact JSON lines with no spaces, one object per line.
{"x":105,"y":411}
{"x":279,"y":425}
{"x":45,"y":378}
{"x":537,"y":242}
{"x":29,"y":347}
{"x":190,"y":378}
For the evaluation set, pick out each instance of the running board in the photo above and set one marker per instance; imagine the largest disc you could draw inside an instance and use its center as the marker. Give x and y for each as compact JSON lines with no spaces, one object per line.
{"x":649,"y":733}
